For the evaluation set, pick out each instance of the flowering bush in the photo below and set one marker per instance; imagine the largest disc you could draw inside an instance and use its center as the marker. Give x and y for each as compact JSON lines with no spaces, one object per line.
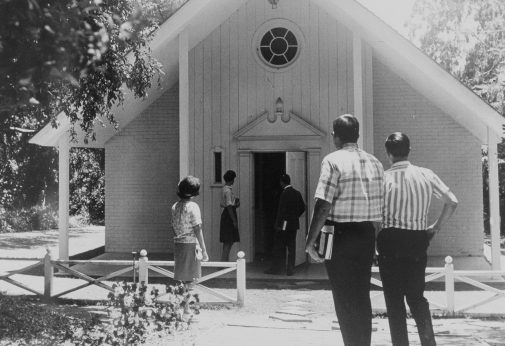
{"x":136,"y":311}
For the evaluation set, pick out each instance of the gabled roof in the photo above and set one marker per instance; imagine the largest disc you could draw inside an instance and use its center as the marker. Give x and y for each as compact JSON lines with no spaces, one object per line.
{"x":201,"y":17}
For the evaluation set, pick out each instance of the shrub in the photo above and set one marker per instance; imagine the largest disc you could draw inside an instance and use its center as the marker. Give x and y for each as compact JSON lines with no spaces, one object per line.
{"x":28,"y":219}
{"x":136,"y":312}
{"x":15,"y":220}
{"x":43,"y":217}
{"x":79,"y":220}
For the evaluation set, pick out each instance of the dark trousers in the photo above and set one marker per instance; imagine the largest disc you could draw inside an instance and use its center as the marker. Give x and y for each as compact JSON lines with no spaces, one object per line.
{"x":349,"y":271}
{"x":402,"y":275}
{"x":284,"y":240}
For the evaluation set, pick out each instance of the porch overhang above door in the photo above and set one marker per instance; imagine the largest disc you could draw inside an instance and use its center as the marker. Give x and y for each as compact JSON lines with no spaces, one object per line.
{"x":288,"y":126}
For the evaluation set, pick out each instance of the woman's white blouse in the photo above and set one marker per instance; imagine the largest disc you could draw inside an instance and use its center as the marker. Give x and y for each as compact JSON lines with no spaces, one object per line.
{"x":185,"y":215}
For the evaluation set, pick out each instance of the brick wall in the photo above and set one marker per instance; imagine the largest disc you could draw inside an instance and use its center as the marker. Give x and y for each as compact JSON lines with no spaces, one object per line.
{"x":141,"y":175}
{"x":441,"y":144}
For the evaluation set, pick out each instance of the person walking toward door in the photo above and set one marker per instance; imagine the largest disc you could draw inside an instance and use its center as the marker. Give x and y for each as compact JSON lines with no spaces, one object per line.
{"x":291,"y":207}
{"x":228,"y":233}
{"x":349,"y":198}
{"x":404,"y":239}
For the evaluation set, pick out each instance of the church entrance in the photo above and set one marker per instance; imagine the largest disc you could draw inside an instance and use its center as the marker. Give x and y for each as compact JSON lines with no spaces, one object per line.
{"x":267,"y":169}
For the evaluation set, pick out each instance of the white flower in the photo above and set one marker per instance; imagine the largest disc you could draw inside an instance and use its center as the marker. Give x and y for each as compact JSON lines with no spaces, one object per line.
{"x":118,"y":290}
{"x":128,"y":301}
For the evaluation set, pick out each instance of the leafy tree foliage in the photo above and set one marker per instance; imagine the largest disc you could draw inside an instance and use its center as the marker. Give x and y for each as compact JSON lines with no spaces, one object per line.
{"x":28,"y":175}
{"x":87,"y":184}
{"x":467,"y":38}
{"x":71,"y":57}
{"x":76,"y":56}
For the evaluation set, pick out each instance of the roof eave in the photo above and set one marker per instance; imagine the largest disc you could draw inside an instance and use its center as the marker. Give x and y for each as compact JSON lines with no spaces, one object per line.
{"x":165,"y":49}
{"x":50,"y":136}
{"x":417,"y":68}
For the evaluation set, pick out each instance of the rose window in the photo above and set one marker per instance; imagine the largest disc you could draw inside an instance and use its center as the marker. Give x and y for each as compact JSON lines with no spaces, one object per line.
{"x":278,"y":47}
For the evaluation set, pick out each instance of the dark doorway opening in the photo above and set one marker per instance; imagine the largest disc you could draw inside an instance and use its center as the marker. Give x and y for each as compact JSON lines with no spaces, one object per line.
{"x":267,"y":169}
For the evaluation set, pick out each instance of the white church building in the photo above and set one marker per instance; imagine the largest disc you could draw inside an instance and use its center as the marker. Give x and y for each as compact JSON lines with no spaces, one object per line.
{"x":254,"y":87}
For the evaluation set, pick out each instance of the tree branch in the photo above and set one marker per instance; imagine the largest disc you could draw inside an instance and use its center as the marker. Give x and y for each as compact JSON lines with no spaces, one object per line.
{"x":19,"y":129}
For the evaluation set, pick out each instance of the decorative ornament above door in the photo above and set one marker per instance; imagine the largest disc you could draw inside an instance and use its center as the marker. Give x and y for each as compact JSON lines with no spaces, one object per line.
{"x":290,"y":126}
{"x":273,"y":3}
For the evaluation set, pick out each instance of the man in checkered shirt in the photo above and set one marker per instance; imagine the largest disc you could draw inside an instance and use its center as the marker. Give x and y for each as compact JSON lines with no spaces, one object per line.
{"x":349,"y":196}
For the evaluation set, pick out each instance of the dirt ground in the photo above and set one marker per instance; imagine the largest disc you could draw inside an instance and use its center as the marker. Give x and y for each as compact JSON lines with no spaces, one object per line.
{"x":256,"y":324}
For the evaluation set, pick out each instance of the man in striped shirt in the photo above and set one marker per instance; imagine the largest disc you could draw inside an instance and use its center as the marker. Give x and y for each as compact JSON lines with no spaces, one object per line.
{"x":349,"y":197}
{"x":403,"y":241}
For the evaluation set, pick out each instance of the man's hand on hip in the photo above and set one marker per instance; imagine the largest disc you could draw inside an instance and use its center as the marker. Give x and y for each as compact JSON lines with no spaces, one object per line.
{"x":431,"y":231}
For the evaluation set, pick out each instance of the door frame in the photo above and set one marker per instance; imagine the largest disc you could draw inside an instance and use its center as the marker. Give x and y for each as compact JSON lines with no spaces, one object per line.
{"x":246,"y":188}
{"x":301,"y":236}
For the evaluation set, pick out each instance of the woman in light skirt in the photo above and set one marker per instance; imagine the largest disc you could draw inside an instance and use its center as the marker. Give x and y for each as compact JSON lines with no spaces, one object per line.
{"x":188,"y":241}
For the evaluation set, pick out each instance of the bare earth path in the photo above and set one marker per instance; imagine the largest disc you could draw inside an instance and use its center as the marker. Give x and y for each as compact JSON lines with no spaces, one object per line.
{"x":254,"y":325}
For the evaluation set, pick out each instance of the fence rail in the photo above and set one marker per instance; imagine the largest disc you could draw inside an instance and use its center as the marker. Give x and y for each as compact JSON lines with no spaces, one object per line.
{"x":145,"y":266}
{"x":6,"y":276}
{"x":452,"y":276}
{"x":239,"y":266}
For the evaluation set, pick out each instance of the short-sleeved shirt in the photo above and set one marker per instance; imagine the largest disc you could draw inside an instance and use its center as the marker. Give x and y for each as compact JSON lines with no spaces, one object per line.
{"x":408,"y":194}
{"x":185,"y":215}
{"x":227,"y":197}
{"x":352,"y":181}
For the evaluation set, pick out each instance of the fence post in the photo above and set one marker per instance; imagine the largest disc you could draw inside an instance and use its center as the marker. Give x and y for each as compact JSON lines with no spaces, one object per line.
{"x":449,"y":284}
{"x":143,"y":267}
{"x":48,"y":275}
{"x":241,"y":278}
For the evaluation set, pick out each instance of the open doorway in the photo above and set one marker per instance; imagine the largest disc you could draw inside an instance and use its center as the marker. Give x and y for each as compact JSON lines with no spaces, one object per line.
{"x":267,"y":169}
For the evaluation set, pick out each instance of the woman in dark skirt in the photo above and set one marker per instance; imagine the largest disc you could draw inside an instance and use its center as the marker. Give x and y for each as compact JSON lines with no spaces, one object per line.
{"x":187,"y":225}
{"x":228,"y":233}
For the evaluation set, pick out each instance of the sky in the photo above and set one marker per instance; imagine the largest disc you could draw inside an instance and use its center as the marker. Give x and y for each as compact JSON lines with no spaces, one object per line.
{"x":393,"y":12}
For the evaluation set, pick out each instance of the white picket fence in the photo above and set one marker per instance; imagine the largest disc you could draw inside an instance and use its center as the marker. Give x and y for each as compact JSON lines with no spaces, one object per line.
{"x":144,"y":266}
{"x":452,"y":276}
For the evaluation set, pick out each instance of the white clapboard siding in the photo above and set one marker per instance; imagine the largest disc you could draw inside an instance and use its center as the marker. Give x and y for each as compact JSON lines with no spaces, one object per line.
{"x":229,"y":88}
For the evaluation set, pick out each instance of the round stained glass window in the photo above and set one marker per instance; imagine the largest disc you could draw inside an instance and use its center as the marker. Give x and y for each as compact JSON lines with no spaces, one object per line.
{"x":278,"y":47}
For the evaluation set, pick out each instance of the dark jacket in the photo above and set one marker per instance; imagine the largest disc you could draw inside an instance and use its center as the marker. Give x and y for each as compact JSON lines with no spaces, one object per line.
{"x":291,"y":207}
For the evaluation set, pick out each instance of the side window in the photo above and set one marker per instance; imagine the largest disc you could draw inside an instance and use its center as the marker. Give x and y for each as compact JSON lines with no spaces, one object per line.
{"x":218,"y":166}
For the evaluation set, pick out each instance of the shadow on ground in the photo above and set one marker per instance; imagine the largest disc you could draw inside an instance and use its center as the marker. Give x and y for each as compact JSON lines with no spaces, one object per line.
{"x":29,"y":240}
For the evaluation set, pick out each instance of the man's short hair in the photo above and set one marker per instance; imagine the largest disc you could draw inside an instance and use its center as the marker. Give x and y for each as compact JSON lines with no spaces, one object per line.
{"x":346,"y":128}
{"x":286,"y":179}
{"x":188,"y":187}
{"x":398,"y":144}
{"x":229,"y":176}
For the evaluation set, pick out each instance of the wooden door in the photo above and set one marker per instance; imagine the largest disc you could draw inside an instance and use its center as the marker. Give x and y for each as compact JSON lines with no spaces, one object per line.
{"x":296,"y":168}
